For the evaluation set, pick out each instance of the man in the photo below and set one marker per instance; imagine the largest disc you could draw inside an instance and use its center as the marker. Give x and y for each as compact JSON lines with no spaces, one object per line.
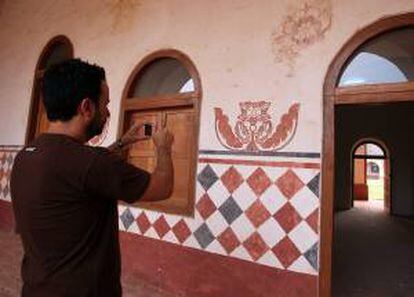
{"x":65,"y":193}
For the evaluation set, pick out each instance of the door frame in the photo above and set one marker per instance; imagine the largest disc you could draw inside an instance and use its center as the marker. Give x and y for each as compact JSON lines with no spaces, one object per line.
{"x":332,"y":96}
{"x":387,"y":167}
{"x":35,"y":107}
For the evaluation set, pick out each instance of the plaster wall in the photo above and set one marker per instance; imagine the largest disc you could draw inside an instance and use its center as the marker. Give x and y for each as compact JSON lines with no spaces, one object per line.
{"x":230,"y":42}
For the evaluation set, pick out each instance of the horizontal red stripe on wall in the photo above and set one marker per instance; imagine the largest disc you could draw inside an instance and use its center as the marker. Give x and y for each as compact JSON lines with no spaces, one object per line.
{"x":184,"y":271}
{"x":287,"y":164}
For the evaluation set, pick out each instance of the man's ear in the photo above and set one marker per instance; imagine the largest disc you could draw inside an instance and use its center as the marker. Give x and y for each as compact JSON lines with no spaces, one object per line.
{"x":86,"y":108}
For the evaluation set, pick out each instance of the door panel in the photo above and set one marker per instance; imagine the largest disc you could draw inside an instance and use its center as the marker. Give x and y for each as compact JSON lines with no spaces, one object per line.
{"x":180,"y":122}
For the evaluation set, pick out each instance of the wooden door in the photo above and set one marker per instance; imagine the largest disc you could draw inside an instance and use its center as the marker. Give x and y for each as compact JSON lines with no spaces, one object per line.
{"x":180,"y":122}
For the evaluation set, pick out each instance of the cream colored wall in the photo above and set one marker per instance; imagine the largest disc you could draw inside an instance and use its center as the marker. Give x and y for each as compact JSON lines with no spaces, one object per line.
{"x":232,"y":44}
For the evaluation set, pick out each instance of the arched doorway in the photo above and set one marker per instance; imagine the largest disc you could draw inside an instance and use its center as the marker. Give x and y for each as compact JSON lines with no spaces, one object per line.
{"x":341,"y":89}
{"x":371,"y":174}
{"x":56,"y":50}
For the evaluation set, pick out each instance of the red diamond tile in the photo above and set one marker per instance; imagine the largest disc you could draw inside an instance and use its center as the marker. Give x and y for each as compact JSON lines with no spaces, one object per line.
{"x":287,"y":217}
{"x":257,"y":213}
{"x":232,"y":179}
{"x":313,"y":220}
{"x":289,"y":184}
{"x":181,"y":231}
{"x":161,"y":226}
{"x":7,"y":174}
{"x":286,"y":252}
{"x":143,"y":222}
{"x":259,"y":181}
{"x":1,"y":173}
{"x":205,"y":206}
{"x":228,"y":240}
{"x":255,"y":246}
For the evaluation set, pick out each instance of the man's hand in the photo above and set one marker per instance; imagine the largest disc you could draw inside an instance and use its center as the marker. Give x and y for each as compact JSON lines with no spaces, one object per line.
{"x":163,"y":140}
{"x":134,"y":134}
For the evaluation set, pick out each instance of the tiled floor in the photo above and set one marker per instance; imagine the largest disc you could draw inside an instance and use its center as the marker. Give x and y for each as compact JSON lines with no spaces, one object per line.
{"x":10,"y":256}
{"x":373,"y":254}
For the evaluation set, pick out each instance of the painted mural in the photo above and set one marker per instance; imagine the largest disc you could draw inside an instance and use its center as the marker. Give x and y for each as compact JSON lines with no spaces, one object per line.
{"x":254,"y":130}
{"x":302,"y":27}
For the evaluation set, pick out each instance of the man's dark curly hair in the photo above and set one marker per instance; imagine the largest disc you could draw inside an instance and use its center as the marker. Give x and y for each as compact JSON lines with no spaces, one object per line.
{"x":66,"y":84}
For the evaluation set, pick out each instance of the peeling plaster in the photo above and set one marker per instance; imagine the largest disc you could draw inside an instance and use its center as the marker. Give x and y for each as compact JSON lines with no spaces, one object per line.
{"x":301,"y":27}
{"x":123,"y":12}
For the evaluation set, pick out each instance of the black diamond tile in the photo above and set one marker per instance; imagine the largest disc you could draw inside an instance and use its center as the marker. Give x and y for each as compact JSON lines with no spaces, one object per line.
{"x":10,"y":159}
{"x":204,"y":236}
{"x":313,"y":185}
{"x":207,"y":177}
{"x":127,"y":218}
{"x":230,"y":210}
{"x":6,"y":191}
{"x":312,"y":256}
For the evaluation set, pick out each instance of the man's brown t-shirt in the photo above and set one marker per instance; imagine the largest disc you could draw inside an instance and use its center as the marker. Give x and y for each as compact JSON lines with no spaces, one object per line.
{"x":64,"y":198}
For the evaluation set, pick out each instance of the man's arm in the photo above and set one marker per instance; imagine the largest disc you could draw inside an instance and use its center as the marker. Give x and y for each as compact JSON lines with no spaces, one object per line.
{"x":162,"y":179}
{"x":161,"y":182}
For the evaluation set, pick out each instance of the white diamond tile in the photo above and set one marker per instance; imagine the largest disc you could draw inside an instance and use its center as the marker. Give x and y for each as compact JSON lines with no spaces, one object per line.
{"x":152,"y":233}
{"x":303,"y":266}
{"x":200,"y":167}
{"x":216,"y":223}
{"x":134,"y":228}
{"x":152,"y":216}
{"x":216,"y":247}
{"x":305,"y":174}
{"x":242,"y":227}
{"x":241,"y":253}
{"x":172,"y":219}
{"x":271,"y":232}
{"x":273,"y":199}
{"x":273,"y":173}
{"x":121,"y":209}
{"x":192,"y":242}
{"x":170,"y":237}
{"x":135,"y":211}
{"x":121,"y":225}
{"x":220,"y":169}
{"x":218,"y":193}
{"x":305,"y":202}
{"x":269,"y":259}
{"x":245,"y":170}
{"x":244,"y":196}
{"x":303,"y":236}
{"x":199,"y":192}
{"x":194,"y":224}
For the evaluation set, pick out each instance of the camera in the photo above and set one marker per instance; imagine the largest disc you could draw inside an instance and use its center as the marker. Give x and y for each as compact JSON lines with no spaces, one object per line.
{"x":147,"y":129}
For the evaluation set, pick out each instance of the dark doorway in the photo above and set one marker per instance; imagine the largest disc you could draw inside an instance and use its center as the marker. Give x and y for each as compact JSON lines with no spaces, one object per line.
{"x":372,"y":247}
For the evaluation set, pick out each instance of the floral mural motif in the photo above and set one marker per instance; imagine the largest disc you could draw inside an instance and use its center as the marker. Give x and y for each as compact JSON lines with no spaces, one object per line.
{"x":253,"y":130}
{"x":303,"y":27}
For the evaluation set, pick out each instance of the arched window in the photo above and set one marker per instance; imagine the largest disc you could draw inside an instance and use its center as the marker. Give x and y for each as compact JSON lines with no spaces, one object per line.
{"x":56,"y":50}
{"x":165,"y":86}
{"x":388,"y":58}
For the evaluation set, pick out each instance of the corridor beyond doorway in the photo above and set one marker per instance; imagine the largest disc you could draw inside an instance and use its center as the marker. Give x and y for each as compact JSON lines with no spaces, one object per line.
{"x":373,"y":253}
